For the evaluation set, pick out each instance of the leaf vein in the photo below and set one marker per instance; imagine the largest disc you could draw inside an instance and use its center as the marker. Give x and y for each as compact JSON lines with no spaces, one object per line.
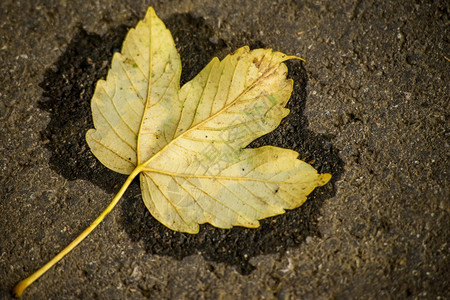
{"x":239,"y":198}
{"x":122,"y":65}
{"x":113,"y":129}
{"x":111,"y":150}
{"x":118,"y":113}
{"x":168,"y":199}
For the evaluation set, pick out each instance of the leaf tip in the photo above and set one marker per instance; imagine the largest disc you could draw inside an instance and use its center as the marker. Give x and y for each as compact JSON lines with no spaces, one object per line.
{"x":324,"y":178}
{"x":150,"y":11}
{"x":294,"y":57}
{"x":190,"y":228}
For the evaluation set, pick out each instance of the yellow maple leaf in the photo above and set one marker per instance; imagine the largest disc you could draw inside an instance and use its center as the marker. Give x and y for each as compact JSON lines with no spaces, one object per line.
{"x":188,"y":144}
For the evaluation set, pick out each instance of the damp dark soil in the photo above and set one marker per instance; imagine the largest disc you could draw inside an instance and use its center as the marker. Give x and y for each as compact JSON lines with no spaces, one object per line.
{"x":370,"y":106}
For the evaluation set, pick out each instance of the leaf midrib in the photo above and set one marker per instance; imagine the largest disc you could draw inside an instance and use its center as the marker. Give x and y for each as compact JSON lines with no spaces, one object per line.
{"x":213,"y":177}
{"x":150,"y":61}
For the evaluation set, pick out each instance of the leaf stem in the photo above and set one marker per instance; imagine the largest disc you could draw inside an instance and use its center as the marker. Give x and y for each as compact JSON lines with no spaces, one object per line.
{"x":22,"y":285}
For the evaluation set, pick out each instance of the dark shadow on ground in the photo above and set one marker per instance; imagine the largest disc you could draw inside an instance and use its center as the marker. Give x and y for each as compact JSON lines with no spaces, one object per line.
{"x":68,"y":87}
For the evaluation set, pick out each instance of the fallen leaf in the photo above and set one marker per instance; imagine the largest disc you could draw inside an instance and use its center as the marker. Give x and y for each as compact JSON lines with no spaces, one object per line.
{"x":188,"y":144}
